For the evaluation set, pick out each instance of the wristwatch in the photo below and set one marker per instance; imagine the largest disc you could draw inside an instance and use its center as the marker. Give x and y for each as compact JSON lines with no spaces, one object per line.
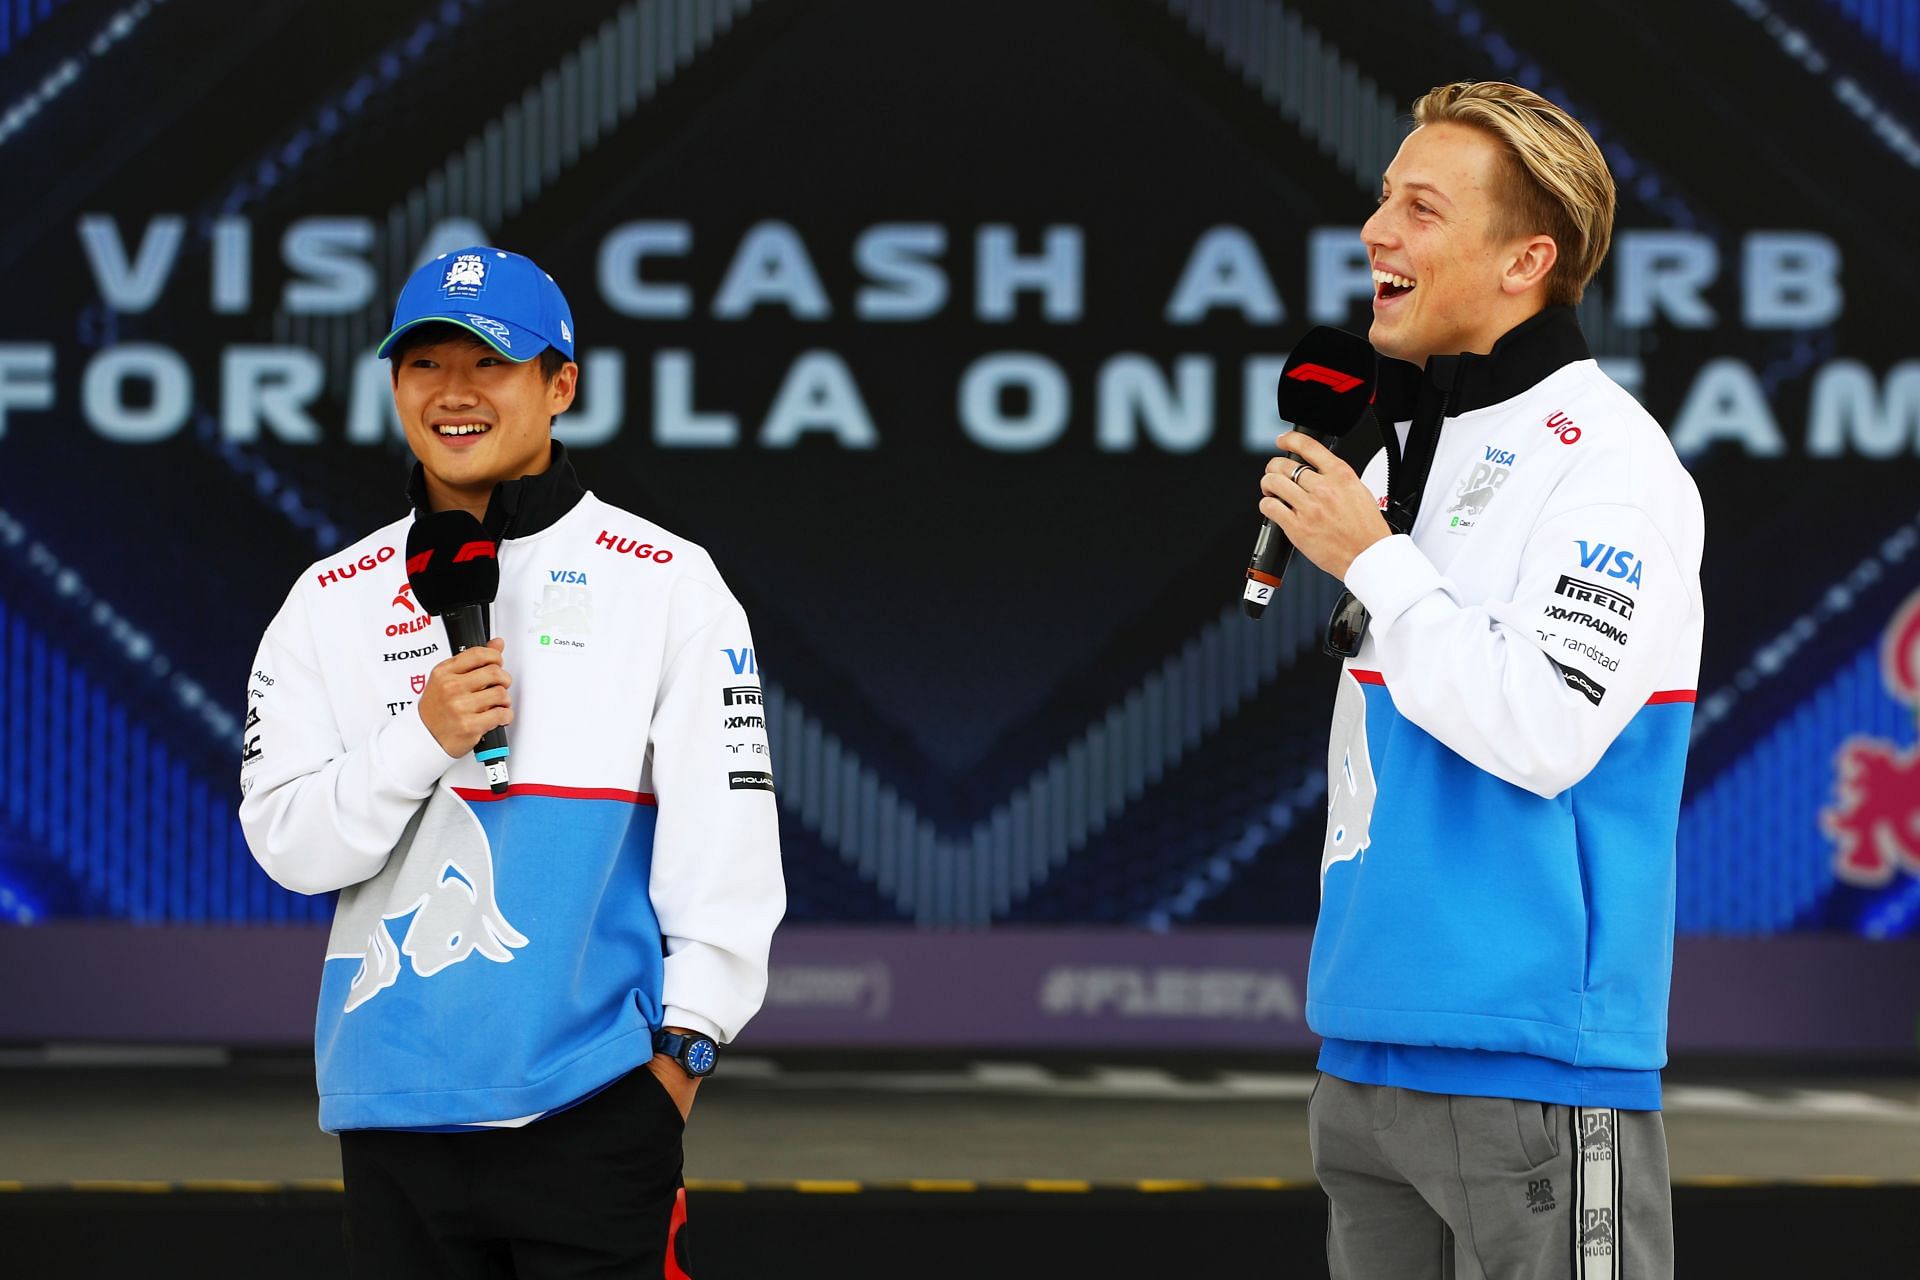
{"x":696,"y":1054}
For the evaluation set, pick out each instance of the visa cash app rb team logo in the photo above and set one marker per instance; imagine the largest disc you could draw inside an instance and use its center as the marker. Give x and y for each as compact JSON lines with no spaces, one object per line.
{"x":1477,"y":488}
{"x":466,"y":276}
{"x":564,"y":612}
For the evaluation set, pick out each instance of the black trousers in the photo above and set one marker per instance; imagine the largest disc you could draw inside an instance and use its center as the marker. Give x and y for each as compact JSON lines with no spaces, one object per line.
{"x":592,"y":1192}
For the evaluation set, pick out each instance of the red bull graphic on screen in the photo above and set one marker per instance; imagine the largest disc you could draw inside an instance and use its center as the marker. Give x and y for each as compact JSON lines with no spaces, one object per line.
{"x":1875,"y":825}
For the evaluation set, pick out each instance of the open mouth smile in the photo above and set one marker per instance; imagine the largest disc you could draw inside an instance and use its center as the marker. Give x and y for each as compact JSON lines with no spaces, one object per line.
{"x":1389,"y":287}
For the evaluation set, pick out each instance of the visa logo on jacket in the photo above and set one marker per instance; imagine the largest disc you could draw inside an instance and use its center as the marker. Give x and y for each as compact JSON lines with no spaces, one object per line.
{"x":1604,"y":557}
{"x":742,"y":660}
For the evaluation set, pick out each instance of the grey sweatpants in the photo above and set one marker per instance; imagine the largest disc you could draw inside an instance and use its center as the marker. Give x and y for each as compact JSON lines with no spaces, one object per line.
{"x":1434,"y":1186}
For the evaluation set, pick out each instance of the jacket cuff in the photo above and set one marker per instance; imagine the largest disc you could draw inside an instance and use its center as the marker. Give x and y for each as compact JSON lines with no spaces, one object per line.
{"x":677,"y":1017}
{"x":410,"y":756}
{"x":1389,"y":576}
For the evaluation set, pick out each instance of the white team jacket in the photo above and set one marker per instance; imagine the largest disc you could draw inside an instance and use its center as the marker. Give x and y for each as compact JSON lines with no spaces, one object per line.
{"x":496,"y":957}
{"x":1509,"y":744}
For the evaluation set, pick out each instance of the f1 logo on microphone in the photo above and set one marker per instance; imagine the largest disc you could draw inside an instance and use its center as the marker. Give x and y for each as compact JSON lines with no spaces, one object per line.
{"x":469,"y":551}
{"x":1340,"y":382}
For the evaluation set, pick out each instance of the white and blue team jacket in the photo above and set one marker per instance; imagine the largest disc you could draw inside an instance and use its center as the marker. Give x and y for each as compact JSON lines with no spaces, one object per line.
{"x":1497,"y":880}
{"x":496,"y":957}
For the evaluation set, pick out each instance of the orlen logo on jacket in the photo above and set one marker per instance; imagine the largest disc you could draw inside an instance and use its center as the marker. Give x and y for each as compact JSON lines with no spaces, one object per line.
{"x":1875,"y":826}
{"x":403,"y":599}
{"x":340,"y":573}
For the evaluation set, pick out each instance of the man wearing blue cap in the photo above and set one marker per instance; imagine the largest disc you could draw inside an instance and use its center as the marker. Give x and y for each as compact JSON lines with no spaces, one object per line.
{"x":522,"y":990}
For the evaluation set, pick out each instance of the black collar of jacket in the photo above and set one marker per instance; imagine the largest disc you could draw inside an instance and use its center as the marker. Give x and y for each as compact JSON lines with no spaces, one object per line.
{"x":519,"y":508}
{"x":1523,"y":357}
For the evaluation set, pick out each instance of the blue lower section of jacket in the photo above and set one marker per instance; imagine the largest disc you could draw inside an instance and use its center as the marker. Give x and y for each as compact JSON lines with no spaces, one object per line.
{"x":1485,"y":1074}
{"x":589,"y":1096}
{"x":1482,"y":916}
{"x":570,"y":1009}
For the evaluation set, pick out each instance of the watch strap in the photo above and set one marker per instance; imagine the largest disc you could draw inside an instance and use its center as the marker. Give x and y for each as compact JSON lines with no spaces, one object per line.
{"x":675,"y":1044}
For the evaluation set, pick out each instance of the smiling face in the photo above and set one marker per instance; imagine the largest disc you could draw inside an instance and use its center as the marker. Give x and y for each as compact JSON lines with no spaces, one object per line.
{"x":475,"y":418}
{"x":1446,"y":280}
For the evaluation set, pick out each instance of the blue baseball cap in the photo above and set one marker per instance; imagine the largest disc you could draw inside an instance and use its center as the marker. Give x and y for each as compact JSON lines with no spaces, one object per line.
{"x":501,"y":298}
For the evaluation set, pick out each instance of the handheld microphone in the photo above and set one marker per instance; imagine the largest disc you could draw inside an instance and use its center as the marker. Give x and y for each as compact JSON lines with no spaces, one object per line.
{"x":455,"y":573}
{"x":1326,"y":385}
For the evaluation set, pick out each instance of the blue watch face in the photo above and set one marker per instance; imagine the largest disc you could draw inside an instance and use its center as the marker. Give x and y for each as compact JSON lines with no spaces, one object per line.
{"x":700,"y":1056}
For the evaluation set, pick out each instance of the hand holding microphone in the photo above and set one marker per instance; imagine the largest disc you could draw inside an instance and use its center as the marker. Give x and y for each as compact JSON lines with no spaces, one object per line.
{"x":1323,"y":508}
{"x":466,"y":696}
{"x":455,"y":571}
{"x":1324,"y":389}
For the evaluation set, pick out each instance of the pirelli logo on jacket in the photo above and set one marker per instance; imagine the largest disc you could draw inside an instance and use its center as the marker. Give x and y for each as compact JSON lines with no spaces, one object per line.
{"x":743,"y":720}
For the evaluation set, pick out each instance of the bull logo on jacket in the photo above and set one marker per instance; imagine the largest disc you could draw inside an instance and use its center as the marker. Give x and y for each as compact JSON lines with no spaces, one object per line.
{"x":1875,"y":826}
{"x":1477,"y":488}
{"x":441,"y":875}
{"x":1350,"y":784}
{"x":563,"y":611}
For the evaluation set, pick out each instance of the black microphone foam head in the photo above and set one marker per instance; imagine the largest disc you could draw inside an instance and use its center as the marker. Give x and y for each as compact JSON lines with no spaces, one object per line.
{"x":451,"y":562}
{"x":1328,"y":381}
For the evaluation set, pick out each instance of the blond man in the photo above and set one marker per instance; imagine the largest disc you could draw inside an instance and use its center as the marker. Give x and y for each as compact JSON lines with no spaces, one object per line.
{"x":1522,"y":641}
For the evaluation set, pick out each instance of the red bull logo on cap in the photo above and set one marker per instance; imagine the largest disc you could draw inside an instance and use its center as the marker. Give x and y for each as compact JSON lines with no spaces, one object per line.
{"x":1875,"y":826}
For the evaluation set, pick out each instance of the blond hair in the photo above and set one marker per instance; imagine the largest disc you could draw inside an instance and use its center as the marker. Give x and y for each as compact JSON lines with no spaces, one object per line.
{"x":1557,"y":182}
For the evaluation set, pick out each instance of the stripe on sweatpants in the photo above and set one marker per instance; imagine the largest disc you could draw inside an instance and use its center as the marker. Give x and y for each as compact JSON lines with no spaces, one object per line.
{"x":1596,"y":1194}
